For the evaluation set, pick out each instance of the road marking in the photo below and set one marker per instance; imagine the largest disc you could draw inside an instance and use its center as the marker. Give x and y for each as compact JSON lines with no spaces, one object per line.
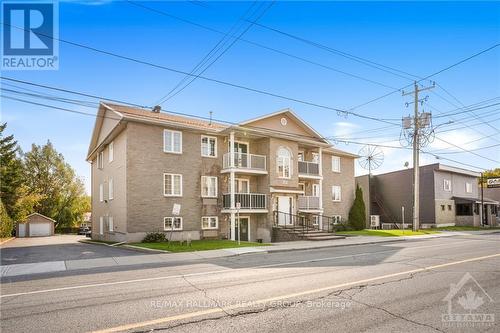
{"x":104,"y":284}
{"x":283,"y":297}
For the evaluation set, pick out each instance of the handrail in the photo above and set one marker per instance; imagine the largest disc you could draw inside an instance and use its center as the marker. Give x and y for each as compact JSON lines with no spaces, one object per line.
{"x":309,"y":168}
{"x":244,"y":161}
{"x":247,"y":200}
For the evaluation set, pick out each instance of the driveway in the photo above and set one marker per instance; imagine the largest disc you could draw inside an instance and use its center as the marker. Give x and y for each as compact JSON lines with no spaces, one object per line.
{"x":55,"y":248}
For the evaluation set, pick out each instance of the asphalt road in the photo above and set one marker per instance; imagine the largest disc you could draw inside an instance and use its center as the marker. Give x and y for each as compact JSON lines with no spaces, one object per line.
{"x":390,"y":287}
{"x":53,"y":248}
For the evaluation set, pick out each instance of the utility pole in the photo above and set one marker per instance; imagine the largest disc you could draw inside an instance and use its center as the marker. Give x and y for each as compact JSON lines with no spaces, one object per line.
{"x":481,"y":211}
{"x":417,"y":119}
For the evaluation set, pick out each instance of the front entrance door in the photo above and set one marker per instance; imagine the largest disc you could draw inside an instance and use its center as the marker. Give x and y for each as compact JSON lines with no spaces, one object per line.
{"x":245,"y":225}
{"x":284,"y":210}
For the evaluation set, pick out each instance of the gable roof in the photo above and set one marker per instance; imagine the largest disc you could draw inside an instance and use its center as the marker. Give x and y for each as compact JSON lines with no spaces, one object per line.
{"x":38,"y":214}
{"x":288,"y":112}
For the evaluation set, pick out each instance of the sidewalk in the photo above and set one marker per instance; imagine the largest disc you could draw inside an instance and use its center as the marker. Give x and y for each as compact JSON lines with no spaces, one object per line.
{"x":155,"y":258}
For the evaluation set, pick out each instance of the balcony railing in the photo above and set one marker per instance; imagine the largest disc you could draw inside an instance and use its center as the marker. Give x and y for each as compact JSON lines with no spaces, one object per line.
{"x":244,"y":161}
{"x":308,"y":168}
{"x":308,"y":203}
{"x":247,"y":200}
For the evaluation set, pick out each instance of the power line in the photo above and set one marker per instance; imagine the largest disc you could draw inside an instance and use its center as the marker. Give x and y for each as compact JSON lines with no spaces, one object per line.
{"x":162,"y":12}
{"x":226,"y":83}
{"x":216,"y":49}
{"x":227,"y":122}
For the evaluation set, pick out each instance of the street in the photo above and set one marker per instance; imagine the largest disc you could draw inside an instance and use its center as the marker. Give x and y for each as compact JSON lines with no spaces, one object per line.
{"x":379,"y":287}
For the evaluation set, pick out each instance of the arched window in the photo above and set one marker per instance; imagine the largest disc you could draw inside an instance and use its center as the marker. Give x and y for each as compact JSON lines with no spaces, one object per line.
{"x":284,"y":162}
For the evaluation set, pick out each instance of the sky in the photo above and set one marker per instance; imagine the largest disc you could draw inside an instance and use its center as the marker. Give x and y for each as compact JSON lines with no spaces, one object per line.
{"x":418,"y":38}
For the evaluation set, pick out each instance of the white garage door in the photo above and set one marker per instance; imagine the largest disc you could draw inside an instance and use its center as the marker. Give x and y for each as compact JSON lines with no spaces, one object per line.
{"x":22,"y":230}
{"x":40,"y":229}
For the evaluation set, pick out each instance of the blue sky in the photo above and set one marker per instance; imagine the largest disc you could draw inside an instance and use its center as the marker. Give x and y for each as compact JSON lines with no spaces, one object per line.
{"x":418,"y":38}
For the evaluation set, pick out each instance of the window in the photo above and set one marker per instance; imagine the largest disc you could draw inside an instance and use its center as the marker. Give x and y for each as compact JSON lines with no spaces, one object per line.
{"x":465,"y":209}
{"x":110,"y":189}
{"x":442,"y":207}
{"x":447,"y":185}
{"x":172,"y":223}
{"x":300,"y":156}
{"x":172,"y":142}
{"x":315,"y":190}
{"x":335,"y":164}
{"x":468,"y":187}
{"x":336,"y":193}
{"x":101,"y":225}
{"x":101,"y":192}
{"x":241,"y":185}
{"x":208,"y":146}
{"x":302,"y":187}
{"x":172,"y":185}
{"x":336,"y":219}
{"x":100,"y":160}
{"x":209,"y":222}
{"x":284,"y":163}
{"x":110,"y":223}
{"x":208,"y":186}
{"x":315,"y":157}
{"x":111,"y":154}
{"x":449,"y":207}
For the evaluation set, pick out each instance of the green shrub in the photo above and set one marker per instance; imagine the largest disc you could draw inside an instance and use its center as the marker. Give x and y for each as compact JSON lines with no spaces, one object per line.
{"x":357,"y":214}
{"x":154,"y":237}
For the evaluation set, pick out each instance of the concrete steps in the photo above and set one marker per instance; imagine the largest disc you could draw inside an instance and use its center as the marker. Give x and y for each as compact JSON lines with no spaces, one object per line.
{"x":311,"y":234}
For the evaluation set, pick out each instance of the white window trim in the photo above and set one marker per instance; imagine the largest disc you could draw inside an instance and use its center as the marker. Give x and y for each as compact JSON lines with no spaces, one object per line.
{"x":215,"y":148}
{"x":289,"y":158}
{"x":101,"y":192}
{"x":172,"y":228}
{"x":340,"y":193}
{"x":110,"y":224}
{"x":333,"y":164}
{"x":239,"y":181}
{"x":100,"y":160}
{"x":111,"y":189}
{"x":172,"y":134}
{"x":467,"y":186}
{"x":337,"y":219}
{"x":203,"y":182}
{"x":180,"y":187}
{"x":444,"y":185}
{"x":209,"y":227}
{"x":111,"y":152}
{"x":101,"y":225}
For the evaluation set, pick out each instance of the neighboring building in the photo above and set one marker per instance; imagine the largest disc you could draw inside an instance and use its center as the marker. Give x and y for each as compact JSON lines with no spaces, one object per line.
{"x":87,"y":220}
{"x":35,"y":225}
{"x":144,"y":162}
{"x":493,"y":194}
{"x":448,"y":196}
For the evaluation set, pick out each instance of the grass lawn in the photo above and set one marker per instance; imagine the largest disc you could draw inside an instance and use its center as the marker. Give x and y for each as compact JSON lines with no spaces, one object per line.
{"x":196,"y":245}
{"x":466,"y":228}
{"x":386,"y":233}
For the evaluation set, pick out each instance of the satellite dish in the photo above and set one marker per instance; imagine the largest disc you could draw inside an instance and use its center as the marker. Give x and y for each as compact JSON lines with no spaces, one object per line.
{"x":371,"y":158}
{"x":407,"y":164}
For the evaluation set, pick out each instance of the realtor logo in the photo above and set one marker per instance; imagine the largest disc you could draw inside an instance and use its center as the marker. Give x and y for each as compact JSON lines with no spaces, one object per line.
{"x":466,"y":301}
{"x":30,"y":36}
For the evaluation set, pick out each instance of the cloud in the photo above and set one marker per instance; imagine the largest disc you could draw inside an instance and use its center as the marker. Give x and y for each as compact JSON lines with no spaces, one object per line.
{"x":344,"y":128}
{"x":457,"y":138}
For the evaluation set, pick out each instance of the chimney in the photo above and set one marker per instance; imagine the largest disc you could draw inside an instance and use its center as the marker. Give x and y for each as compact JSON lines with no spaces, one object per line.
{"x":157,"y":109}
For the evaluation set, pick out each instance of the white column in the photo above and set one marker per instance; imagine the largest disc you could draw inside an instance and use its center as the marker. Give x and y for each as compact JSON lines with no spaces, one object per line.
{"x":231,"y":186}
{"x":321,"y":185}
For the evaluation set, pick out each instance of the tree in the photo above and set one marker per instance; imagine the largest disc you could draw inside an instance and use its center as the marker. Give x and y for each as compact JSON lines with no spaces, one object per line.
{"x":357,"y":214}
{"x":11,"y":172}
{"x":55,"y":189}
{"x":6,"y":224}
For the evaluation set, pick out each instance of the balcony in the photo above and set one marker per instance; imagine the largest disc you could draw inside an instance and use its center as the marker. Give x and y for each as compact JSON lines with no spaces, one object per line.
{"x":308,"y":169}
{"x":248,"y":201}
{"x":247,"y":163}
{"x":308,"y":203}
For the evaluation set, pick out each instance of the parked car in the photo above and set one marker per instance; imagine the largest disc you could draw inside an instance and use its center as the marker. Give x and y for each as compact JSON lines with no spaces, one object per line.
{"x":83,"y":230}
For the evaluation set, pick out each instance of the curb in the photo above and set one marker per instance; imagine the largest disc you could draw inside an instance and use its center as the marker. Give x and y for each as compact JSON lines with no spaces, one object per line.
{"x":142,"y":249}
{"x":7,"y":240}
{"x":94,"y":243}
{"x":333,"y":245}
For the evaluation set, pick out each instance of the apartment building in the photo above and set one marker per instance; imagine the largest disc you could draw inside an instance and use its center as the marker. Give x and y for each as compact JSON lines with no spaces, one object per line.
{"x":448,"y":196}
{"x":154,"y":171}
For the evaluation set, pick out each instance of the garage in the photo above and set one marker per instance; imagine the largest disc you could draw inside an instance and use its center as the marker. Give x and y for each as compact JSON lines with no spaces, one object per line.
{"x":35,"y":225}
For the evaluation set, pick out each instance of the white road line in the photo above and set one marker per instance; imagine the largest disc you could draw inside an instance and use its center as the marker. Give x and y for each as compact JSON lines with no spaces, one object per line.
{"x":284,"y":297}
{"x":103,"y":284}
